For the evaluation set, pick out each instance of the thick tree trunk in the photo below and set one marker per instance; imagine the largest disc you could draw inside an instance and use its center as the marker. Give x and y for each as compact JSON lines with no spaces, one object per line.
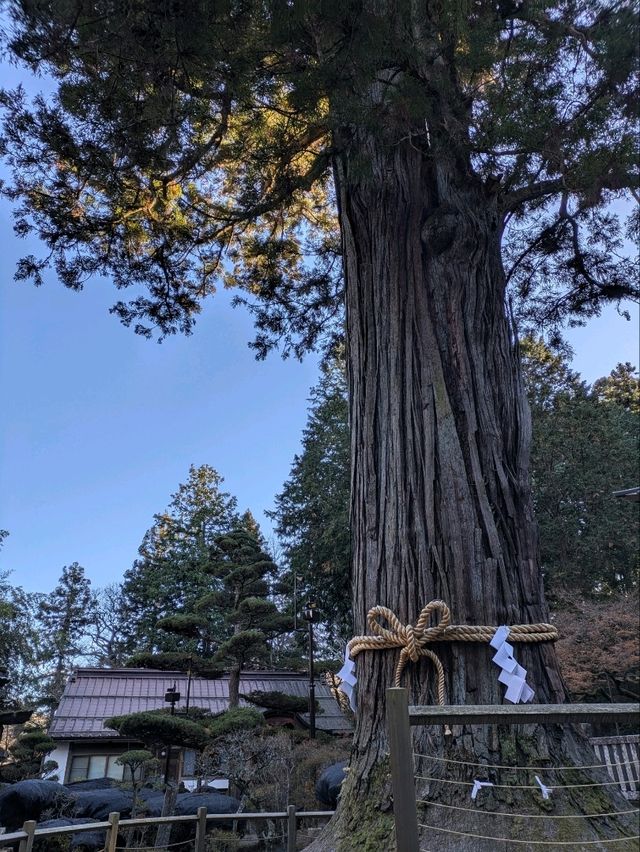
{"x":441,"y":500}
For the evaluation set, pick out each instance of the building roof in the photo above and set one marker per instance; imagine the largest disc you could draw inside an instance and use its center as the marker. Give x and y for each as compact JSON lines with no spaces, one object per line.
{"x":93,"y":695}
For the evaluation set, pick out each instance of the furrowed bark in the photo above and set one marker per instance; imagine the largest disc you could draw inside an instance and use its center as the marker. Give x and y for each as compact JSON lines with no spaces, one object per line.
{"x":441,"y":498}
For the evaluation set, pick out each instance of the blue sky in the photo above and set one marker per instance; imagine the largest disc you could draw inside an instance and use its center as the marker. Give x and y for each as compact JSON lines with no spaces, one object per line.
{"x":98,"y":426}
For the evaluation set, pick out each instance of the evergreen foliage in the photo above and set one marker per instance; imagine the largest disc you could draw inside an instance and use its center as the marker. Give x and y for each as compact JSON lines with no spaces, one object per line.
{"x":26,"y":755}
{"x":547,"y":373}
{"x":65,"y":615}
{"x":176,"y":661}
{"x":275,"y":700}
{"x":312,"y":511}
{"x":185,"y":136}
{"x":195,"y":144}
{"x":621,"y":386}
{"x":139,"y":763}
{"x":235,"y":719}
{"x":159,"y":728}
{"x":136,"y":759}
{"x":184,"y":624}
{"x":21,"y":643}
{"x":585,"y":447}
{"x":241,"y":572}
{"x":171,"y":572}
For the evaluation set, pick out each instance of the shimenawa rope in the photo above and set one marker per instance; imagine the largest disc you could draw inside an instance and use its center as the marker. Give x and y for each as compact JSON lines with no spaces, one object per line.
{"x":413,"y":640}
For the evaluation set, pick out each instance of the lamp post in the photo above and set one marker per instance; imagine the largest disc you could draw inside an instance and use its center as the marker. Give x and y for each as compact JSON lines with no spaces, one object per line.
{"x":309,"y":615}
{"x":171,"y":696}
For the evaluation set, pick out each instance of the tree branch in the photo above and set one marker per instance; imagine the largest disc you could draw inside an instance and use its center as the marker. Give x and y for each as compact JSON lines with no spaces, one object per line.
{"x":512,"y":200}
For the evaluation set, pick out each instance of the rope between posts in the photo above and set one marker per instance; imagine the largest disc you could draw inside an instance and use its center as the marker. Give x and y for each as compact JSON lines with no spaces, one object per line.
{"x":521,"y":786}
{"x":533,"y":842}
{"x":635,"y":762}
{"x":527,"y":816}
{"x":412,"y":641}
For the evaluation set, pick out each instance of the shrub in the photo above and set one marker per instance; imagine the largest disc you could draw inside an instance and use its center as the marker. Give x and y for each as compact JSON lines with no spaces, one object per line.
{"x":238,"y":719}
{"x":159,"y":728}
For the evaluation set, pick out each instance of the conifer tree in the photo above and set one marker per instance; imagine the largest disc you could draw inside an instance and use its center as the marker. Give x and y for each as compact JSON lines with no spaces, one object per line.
{"x":585,"y":447}
{"x":26,"y":755}
{"x":621,"y":386}
{"x":21,"y":642}
{"x":458,"y":148}
{"x":171,"y":572}
{"x":242,"y":572}
{"x":65,"y":615}
{"x":312,"y":510}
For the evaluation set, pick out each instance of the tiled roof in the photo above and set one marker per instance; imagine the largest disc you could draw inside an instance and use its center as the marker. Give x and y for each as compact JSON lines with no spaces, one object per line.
{"x":93,"y":695}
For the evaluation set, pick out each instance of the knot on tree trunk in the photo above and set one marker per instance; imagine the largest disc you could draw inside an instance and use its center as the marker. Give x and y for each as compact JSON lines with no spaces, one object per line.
{"x":413,"y":640}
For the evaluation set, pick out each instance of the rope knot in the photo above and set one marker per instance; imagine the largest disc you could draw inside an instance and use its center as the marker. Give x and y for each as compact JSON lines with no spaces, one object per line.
{"x":413,"y":641}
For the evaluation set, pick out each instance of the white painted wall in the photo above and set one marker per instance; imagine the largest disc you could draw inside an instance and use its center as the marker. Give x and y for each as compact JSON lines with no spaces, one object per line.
{"x":61,"y":756}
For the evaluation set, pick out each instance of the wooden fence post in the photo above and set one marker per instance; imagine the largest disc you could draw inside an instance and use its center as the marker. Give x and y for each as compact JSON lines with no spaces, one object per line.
{"x":29,"y":827}
{"x":291,"y":828}
{"x":201,"y":829}
{"x":401,"y":757}
{"x":111,"y":840}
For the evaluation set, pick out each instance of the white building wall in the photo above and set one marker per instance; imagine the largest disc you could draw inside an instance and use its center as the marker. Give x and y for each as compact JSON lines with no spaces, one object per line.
{"x":61,"y":756}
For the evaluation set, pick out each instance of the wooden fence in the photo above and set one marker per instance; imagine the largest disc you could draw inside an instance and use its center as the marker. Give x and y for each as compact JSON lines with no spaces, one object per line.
{"x":114,"y":825}
{"x":401,"y":716}
{"x":621,"y":755}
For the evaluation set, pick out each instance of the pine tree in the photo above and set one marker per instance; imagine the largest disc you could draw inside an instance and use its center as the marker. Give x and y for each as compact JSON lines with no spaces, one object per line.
{"x":547,"y":374}
{"x":191,"y":144}
{"x":242,"y":572}
{"x":65,"y":615}
{"x":171,"y":572}
{"x":621,"y":386}
{"x":312,"y":510}
{"x":585,"y":447}
{"x":26,"y":755}
{"x":21,"y":643}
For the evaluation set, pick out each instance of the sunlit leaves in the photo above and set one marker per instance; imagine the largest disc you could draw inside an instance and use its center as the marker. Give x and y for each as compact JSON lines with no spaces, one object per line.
{"x":193,"y":144}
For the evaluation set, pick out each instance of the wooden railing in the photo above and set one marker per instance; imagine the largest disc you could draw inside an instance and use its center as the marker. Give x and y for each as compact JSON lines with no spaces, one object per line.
{"x":401,"y":716}
{"x":30,"y":831}
{"x":621,"y":755}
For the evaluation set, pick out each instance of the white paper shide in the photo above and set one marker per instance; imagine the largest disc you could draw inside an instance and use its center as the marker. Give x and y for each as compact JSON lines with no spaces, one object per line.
{"x":512,"y":675}
{"x":347,"y":675}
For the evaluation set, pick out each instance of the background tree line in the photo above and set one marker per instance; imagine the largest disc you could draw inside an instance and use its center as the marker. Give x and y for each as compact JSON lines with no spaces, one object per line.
{"x":205,"y":592}
{"x":585,"y":446}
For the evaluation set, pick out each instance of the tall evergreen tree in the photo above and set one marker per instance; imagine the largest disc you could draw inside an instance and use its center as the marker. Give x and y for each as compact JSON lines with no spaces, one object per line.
{"x":585,"y":446}
{"x":171,"y":572}
{"x":457,"y":136}
{"x":242,"y":572}
{"x":21,"y":643}
{"x":547,"y":373}
{"x":312,"y":510}
{"x":621,"y":386}
{"x":64,"y":616}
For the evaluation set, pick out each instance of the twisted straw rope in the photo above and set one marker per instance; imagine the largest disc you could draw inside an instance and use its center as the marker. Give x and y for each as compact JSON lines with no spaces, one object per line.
{"x":413,"y":640}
